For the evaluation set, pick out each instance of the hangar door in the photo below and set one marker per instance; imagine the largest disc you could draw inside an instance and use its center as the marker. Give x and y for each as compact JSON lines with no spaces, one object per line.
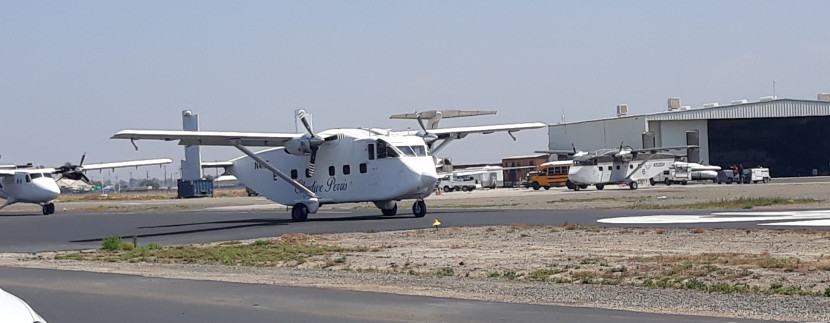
{"x":797,"y":146}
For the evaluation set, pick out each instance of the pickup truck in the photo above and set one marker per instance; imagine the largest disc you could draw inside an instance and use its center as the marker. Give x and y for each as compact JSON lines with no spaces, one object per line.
{"x":450,"y":183}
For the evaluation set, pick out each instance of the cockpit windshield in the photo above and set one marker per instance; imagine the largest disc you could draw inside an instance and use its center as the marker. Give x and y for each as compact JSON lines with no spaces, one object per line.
{"x":385,"y":150}
{"x":413,"y":151}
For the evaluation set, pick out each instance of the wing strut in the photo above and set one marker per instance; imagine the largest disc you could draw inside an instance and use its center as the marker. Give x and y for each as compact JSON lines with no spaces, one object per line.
{"x":276,"y":171}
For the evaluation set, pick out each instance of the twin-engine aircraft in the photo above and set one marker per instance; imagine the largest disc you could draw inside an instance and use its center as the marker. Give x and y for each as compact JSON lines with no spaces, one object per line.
{"x":36,"y":185}
{"x":623,"y":165}
{"x":306,"y":170}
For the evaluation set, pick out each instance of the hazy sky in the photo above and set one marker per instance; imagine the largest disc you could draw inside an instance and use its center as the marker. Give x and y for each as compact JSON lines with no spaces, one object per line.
{"x":72,"y":73}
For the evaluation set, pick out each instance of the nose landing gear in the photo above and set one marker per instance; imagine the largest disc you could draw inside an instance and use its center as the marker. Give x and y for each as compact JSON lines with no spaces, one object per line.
{"x":419,"y":209}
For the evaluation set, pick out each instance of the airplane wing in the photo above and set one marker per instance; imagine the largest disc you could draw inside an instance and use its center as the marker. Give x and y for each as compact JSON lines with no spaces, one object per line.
{"x":7,"y":172}
{"x":131,"y":163}
{"x":217,"y":164}
{"x":211,"y":138}
{"x":662,"y":148}
{"x":461,"y":132}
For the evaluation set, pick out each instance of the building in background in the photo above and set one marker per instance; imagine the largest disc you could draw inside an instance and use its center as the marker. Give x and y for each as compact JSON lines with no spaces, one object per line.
{"x":787,"y":135}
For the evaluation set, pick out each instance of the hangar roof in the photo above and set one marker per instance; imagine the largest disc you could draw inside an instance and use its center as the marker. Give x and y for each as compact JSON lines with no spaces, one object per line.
{"x":779,"y":108}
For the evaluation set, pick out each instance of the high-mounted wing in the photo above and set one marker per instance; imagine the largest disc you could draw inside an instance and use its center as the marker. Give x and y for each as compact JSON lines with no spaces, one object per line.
{"x":461,"y":132}
{"x":131,"y":163}
{"x":656,"y":149}
{"x":7,"y":172}
{"x":211,"y":138}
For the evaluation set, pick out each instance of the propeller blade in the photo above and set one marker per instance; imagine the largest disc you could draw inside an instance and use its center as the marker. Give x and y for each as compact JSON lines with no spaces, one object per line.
{"x":311,"y":161}
{"x":84,"y":178}
{"x":301,"y":115}
{"x":82,"y":159}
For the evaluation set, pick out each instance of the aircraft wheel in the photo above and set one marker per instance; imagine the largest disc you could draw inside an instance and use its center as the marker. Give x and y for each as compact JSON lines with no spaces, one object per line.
{"x":419,"y":209}
{"x":599,"y":187}
{"x":651,"y":181}
{"x":667,"y":182}
{"x":632,"y":185}
{"x":299,"y":213}
{"x":569,"y":185}
{"x":50,"y":208}
{"x":390,"y":212}
{"x":547,"y":188}
{"x":536,"y":186}
{"x":576,"y":188}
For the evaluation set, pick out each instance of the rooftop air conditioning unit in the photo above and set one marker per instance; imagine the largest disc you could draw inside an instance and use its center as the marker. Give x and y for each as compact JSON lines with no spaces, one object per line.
{"x":674,"y":104}
{"x":824,"y":97}
{"x":768,"y":98}
{"x":685,"y":107}
{"x":622,"y":110}
{"x":741,"y":101}
{"x":711,"y":105}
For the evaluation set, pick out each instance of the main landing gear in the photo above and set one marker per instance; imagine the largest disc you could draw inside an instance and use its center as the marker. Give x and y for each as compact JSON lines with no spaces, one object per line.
{"x":48,"y":208}
{"x":299,"y":213}
{"x":390,"y":212}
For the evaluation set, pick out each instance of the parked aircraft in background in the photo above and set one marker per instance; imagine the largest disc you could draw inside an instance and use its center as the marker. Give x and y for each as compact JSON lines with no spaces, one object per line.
{"x":358,"y":165}
{"x":36,"y":185}
{"x":623,"y":165}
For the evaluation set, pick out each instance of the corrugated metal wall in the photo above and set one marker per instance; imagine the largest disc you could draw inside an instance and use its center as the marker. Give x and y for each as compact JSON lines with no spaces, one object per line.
{"x":772,"y":109}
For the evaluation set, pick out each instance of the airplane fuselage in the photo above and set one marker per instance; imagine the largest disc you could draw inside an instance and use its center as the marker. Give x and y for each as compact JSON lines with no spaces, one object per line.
{"x":608,"y":170}
{"x":29,"y":186}
{"x":361,"y":165}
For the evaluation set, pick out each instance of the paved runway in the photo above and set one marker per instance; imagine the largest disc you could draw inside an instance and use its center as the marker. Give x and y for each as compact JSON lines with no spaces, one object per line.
{"x":75,"y":231}
{"x":82,"y":297}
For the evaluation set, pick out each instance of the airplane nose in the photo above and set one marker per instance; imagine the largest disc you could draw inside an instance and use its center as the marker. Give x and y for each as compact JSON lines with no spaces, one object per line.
{"x":49,"y":190}
{"x":429,"y":179}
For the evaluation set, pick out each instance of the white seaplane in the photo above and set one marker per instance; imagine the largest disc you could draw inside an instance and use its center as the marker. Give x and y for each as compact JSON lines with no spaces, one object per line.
{"x":36,"y":185}
{"x":358,"y":165}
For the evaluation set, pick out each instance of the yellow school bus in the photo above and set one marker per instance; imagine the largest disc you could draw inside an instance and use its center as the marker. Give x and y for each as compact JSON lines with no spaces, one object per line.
{"x":551,"y":174}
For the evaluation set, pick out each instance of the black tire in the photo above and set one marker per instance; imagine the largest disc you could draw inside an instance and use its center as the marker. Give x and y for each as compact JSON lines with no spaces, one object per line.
{"x":632,"y":185}
{"x":447,"y":189}
{"x":547,"y":188}
{"x":419,"y":209}
{"x":535,"y":186}
{"x":576,"y":188}
{"x":50,"y":208}
{"x":299,"y":213}
{"x":600,"y":187}
{"x":569,"y":185}
{"x":766,"y":180}
{"x":390,"y":212}
{"x":471,"y":188}
{"x":583,"y":186}
{"x":464,"y":188}
{"x":667,"y":182}
{"x":651,"y":181}
{"x":456,"y":188}
{"x":729,"y":180}
{"x":684,"y":182}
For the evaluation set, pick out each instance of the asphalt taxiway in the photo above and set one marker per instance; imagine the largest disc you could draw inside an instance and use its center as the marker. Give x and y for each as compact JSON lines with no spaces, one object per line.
{"x":81,"y":297}
{"x":75,"y":231}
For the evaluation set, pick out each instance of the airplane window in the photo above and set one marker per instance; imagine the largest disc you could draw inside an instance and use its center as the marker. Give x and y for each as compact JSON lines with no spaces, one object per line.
{"x":407,"y":151}
{"x":631,"y":166}
{"x":385,"y":150}
{"x":331,"y":170}
{"x":371,"y":151}
{"x":308,"y":173}
{"x":28,"y":178}
{"x":294,"y":174}
{"x":346,"y":170}
{"x":36,"y":175}
{"x":363,"y":168}
{"x":420,"y":150}
{"x":618,"y":167}
{"x":600,"y":168}
{"x":47,"y":175}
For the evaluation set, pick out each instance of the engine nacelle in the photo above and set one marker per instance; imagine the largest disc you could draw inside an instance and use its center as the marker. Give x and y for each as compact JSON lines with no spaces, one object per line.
{"x":299,"y":146}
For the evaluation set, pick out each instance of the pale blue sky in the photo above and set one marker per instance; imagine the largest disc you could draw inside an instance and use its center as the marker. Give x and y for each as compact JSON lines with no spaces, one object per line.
{"x":72,"y":73}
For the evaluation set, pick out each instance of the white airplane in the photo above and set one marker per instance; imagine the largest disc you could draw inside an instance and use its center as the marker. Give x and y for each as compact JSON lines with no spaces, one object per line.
{"x":36,"y":185}
{"x":620,"y":165}
{"x":358,"y":165}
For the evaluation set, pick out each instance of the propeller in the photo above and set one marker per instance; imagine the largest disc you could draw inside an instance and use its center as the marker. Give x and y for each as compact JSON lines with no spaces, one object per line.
{"x":428,"y":137}
{"x":73,"y":172}
{"x":313,"y":142}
